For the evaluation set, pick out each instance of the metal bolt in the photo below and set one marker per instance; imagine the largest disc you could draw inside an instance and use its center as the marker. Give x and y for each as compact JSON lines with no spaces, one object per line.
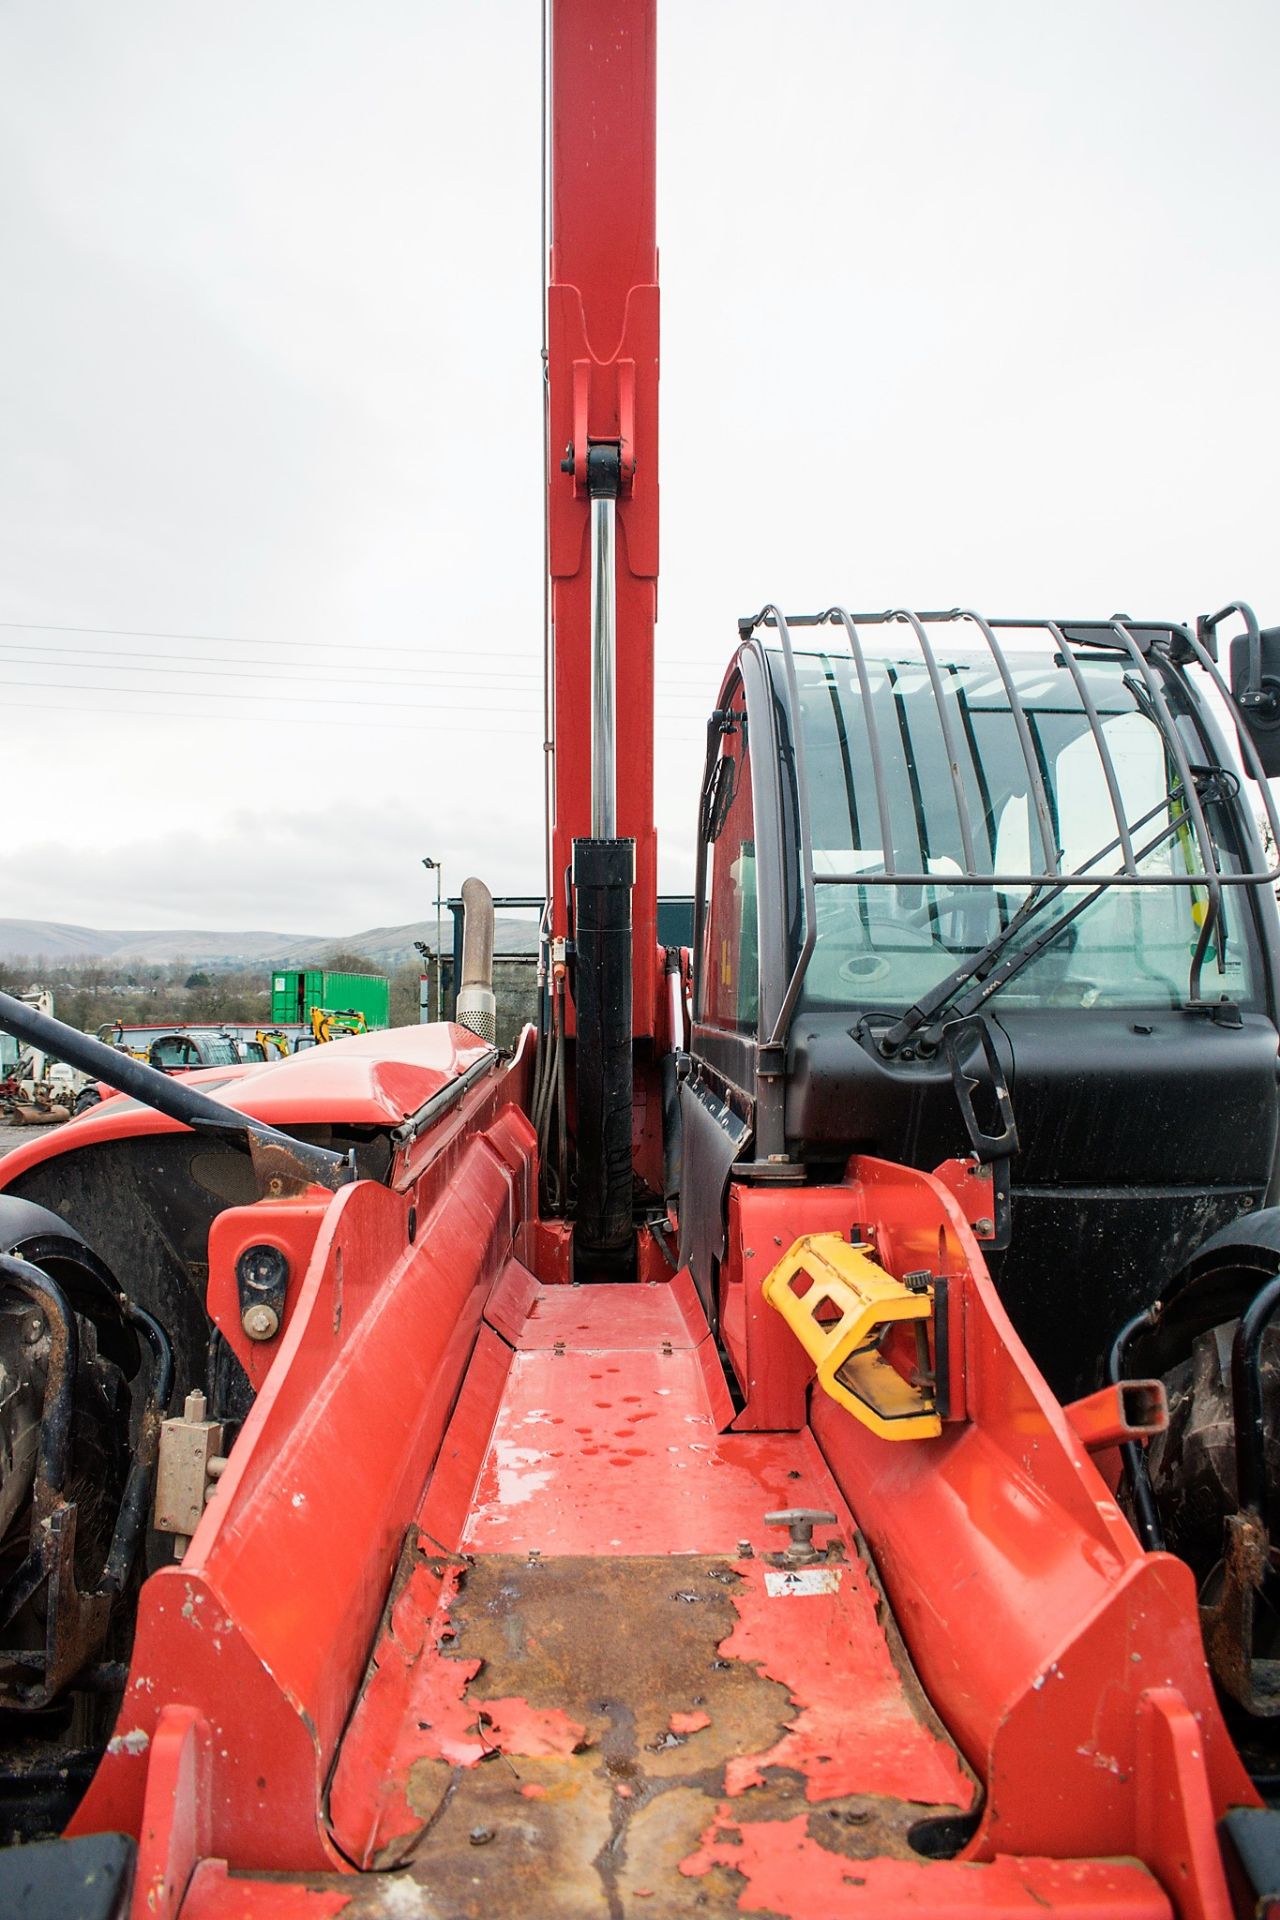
{"x":260,"y":1321}
{"x":985,"y":1229}
{"x":480,"y":1836}
{"x":800,"y":1523}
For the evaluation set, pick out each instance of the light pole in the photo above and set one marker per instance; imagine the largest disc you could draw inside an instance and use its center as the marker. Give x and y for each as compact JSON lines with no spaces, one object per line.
{"x":437,"y":867}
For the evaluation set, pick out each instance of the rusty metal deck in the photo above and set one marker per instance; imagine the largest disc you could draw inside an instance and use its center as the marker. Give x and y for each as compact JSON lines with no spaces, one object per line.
{"x":598,"y":1696}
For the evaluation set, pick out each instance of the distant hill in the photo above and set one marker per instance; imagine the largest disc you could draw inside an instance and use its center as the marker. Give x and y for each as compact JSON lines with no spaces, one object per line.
{"x":389,"y":947}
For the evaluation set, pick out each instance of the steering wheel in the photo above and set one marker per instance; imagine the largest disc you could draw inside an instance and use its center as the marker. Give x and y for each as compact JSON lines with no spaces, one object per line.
{"x":843,"y":924}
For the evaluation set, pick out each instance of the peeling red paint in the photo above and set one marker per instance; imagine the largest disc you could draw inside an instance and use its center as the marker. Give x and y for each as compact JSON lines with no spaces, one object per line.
{"x":462,"y":1728}
{"x":789,"y":1874}
{"x":214,"y":1895}
{"x":830,"y":1653}
{"x":532,"y":1733}
{"x":688,"y":1722}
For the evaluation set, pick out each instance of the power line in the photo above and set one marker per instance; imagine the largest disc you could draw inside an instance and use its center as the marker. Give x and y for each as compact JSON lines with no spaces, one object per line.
{"x":241,"y":673}
{"x":196,"y":718}
{"x":360,"y":646}
{"x":528,"y":734}
{"x":486,"y":705}
{"x":308,"y":722}
{"x":290,"y":700}
{"x":103,"y":659}
{"x":226,"y":639}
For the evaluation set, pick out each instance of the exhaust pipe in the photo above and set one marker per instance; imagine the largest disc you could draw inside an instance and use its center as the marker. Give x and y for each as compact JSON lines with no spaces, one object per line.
{"x":476,"y":1008}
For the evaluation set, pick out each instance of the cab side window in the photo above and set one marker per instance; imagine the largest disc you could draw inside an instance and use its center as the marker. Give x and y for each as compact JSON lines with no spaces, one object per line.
{"x":730,"y":968}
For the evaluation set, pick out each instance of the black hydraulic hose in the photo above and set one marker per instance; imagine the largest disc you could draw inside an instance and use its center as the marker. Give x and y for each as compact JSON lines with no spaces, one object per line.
{"x":167,"y":1095}
{"x":1252,"y":1490}
{"x":562,"y":1124}
{"x":135,"y":1502}
{"x":161,"y":1346}
{"x":47,"y":1296}
{"x":1132,"y":1454}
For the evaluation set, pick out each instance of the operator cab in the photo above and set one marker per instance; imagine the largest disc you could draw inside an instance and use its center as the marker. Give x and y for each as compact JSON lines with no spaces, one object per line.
{"x":994,"y":899}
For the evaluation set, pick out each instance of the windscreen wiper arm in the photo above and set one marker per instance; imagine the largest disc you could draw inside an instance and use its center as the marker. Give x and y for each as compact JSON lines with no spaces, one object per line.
{"x":982,"y":966}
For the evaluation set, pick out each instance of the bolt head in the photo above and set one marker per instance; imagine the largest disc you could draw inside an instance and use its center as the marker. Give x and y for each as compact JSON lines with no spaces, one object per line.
{"x":260,"y":1322}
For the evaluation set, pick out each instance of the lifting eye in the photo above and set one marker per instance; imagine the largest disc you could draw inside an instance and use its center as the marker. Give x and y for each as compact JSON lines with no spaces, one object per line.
{"x":262,"y":1279}
{"x":262,"y":1270}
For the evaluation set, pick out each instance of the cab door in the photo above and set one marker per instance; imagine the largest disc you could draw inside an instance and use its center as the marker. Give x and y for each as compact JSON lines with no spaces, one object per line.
{"x":717,"y":1097}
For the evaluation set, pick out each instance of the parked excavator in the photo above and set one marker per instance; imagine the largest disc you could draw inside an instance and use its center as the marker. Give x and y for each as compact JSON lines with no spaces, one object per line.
{"x":795,"y":1437}
{"x":336,"y":1023}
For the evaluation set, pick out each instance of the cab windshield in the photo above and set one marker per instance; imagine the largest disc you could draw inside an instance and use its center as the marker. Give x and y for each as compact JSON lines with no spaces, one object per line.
{"x":883,"y":944}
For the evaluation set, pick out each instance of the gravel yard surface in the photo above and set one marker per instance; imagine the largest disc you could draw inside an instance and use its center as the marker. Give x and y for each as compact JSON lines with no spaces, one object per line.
{"x":14,"y":1136}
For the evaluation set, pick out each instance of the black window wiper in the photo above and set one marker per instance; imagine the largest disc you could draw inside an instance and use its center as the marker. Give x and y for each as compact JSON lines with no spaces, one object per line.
{"x":986,"y":966}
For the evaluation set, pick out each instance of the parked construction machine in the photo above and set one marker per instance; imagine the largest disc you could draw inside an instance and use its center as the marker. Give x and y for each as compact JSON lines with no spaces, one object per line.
{"x":36,"y":1088}
{"x":795,"y":1437}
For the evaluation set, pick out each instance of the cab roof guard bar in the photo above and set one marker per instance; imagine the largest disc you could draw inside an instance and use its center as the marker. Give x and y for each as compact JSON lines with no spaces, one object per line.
{"x":1169,"y":644}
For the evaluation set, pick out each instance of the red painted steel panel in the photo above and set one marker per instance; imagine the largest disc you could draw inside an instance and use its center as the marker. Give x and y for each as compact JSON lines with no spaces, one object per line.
{"x":788,"y":1875}
{"x":600,"y":1318}
{"x":602,"y":367}
{"x":508,"y":1305}
{"x":614,"y":1445}
{"x":175,"y":1818}
{"x":292,"y":1226}
{"x":265,"y":1625}
{"x":215,"y":1895}
{"x":772,"y":1367}
{"x":371,"y":1079}
{"x":1033,"y":1616}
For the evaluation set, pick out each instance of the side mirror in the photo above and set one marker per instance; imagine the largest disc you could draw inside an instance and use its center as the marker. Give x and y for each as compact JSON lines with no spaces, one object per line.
{"x":1255,"y":687}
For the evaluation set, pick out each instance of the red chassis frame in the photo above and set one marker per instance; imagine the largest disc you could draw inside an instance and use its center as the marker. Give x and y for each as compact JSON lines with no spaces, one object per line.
{"x":1037,"y":1625}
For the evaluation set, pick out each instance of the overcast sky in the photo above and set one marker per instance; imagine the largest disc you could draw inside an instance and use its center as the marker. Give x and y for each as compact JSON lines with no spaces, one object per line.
{"x":962,"y":303}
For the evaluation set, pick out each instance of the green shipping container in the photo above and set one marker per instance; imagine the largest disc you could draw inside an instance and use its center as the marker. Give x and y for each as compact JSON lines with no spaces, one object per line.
{"x":296,"y":990}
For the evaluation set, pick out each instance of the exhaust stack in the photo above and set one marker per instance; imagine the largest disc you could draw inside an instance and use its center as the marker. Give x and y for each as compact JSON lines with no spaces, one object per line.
{"x":476,"y":1008}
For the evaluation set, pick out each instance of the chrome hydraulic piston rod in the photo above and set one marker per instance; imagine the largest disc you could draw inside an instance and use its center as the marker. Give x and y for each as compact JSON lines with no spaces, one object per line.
{"x":602,"y":482}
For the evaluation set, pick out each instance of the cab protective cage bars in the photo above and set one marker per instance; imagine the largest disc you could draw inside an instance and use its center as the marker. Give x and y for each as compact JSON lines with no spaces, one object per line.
{"x":1136,"y":640}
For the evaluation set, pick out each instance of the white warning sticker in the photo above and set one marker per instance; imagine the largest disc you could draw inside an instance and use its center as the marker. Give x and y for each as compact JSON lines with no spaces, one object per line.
{"x":799,"y":1580}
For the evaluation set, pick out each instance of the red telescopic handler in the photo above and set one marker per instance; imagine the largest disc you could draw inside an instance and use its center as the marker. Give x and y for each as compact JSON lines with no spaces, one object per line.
{"x":797,"y":1435}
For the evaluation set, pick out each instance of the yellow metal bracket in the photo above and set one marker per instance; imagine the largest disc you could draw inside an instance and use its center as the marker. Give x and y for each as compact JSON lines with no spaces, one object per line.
{"x":840,"y":1304}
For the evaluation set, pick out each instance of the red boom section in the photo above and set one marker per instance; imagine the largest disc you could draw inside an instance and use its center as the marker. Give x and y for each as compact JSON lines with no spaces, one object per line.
{"x":602,"y":370}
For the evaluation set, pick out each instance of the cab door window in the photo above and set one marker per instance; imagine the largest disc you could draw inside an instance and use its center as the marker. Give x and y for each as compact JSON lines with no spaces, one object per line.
{"x":730,"y":963}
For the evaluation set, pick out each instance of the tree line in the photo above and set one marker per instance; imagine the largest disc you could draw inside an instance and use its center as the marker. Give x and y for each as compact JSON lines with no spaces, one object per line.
{"x":86,"y":993}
